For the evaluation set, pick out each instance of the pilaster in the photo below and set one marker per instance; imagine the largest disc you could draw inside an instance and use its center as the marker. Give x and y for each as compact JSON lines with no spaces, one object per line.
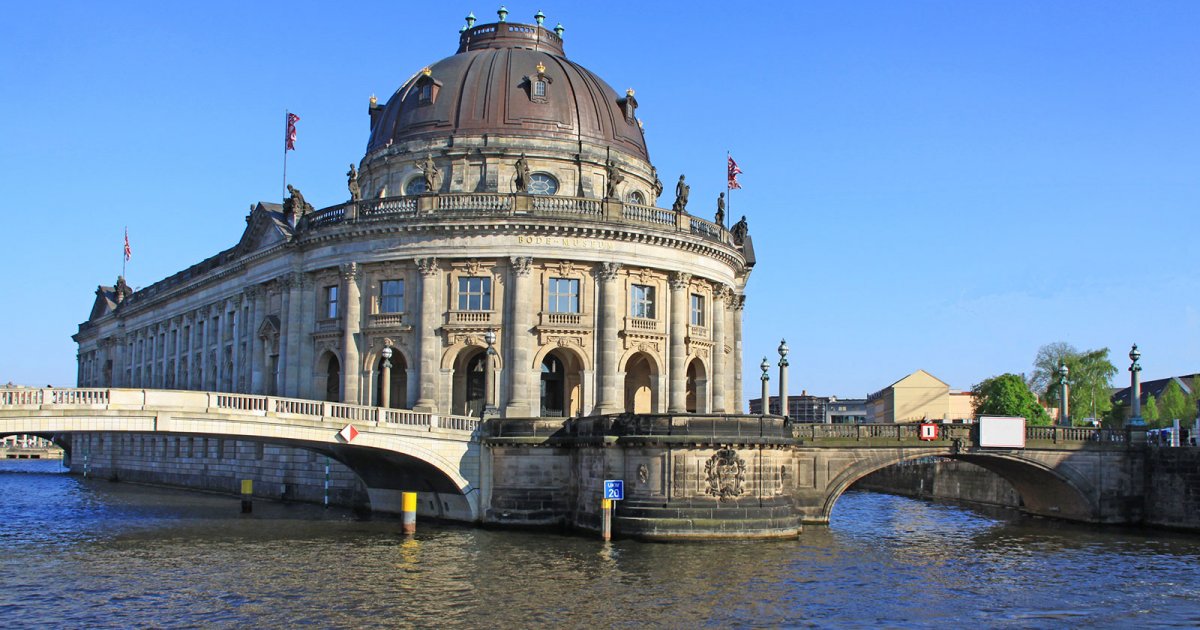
{"x":677,"y":360}
{"x":608,"y":388}
{"x":431,"y":313}
{"x":519,"y":319}
{"x":352,"y":319}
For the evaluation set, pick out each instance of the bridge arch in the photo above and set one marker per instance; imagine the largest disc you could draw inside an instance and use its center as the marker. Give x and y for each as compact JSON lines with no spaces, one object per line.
{"x":1045,"y":490}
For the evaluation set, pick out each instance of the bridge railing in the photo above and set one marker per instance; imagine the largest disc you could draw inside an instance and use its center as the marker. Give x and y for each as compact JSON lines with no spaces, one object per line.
{"x":251,"y":404}
{"x":966,"y":434}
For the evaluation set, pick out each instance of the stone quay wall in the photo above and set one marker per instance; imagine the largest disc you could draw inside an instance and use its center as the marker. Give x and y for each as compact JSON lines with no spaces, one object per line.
{"x":216,"y":465}
{"x":943,"y":480}
{"x":1173,"y":488}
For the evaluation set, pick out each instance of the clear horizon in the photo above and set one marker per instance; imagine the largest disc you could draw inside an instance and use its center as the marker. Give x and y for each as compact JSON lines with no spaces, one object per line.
{"x":930,"y":185}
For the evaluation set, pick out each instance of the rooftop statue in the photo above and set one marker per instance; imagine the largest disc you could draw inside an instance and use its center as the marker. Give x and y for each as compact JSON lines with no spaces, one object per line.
{"x":614,"y":179}
{"x":720,"y":218}
{"x":429,"y":169}
{"x":522,"y":174}
{"x":739,"y":231}
{"x":295,"y":203}
{"x":352,"y":184}
{"x":658,"y":186}
{"x":682,"y":191}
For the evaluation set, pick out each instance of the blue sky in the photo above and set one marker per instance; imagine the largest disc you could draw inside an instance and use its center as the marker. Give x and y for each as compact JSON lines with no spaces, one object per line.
{"x":938,"y":185}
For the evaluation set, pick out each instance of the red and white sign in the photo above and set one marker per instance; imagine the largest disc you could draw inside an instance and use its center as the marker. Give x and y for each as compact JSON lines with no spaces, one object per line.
{"x":348,"y":433}
{"x":929,"y":431}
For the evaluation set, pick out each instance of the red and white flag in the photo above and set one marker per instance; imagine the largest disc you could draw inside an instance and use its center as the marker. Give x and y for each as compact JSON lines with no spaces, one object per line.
{"x":734,"y":171}
{"x":128,"y":252}
{"x":290,"y":138}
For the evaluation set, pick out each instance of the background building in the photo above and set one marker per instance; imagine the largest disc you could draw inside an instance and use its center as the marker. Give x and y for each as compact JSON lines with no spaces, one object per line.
{"x":916,"y":397}
{"x":807,"y":408}
{"x":502,"y":243}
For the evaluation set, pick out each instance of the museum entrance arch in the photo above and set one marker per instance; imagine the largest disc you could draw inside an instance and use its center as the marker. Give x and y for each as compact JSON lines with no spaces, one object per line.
{"x":397,"y":382}
{"x":332,"y":375}
{"x":470,"y":382}
{"x":697,"y":387}
{"x":561,"y":386}
{"x":641,"y":391}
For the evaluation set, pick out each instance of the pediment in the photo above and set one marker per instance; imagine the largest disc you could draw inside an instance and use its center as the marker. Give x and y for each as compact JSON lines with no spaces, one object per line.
{"x":269,"y":327}
{"x":265,"y":227}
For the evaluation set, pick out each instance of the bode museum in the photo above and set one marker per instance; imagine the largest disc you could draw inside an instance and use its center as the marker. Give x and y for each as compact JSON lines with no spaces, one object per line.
{"x":504,"y":244}
{"x":504,"y":255}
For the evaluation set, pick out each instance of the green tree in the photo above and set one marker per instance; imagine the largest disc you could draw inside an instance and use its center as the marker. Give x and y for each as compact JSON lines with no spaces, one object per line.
{"x":1150,"y":412}
{"x":1090,"y":374}
{"x":1008,"y":395}
{"x":1175,"y":404}
{"x":1115,"y":418}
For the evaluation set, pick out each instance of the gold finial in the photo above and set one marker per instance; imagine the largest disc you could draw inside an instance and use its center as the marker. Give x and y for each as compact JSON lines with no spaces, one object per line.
{"x":541,"y":68}
{"x":373,"y":100}
{"x":629,"y":92}
{"x":426,"y":71}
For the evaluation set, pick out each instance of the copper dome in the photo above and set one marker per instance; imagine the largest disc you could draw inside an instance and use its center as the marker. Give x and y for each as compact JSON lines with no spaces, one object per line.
{"x":490,"y":87}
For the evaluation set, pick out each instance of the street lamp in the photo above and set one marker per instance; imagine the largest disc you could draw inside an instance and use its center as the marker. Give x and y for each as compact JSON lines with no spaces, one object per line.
{"x":783,"y":382}
{"x":766,"y":391}
{"x":1135,"y":388}
{"x":1065,"y":384}
{"x":386,"y":386}
{"x":489,"y":408}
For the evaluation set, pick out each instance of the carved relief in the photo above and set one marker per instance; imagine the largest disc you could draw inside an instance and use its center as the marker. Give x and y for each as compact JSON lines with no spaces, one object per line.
{"x":608,"y":271}
{"x":349,"y":271}
{"x":565,"y":268}
{"x":473,"y":267}
{"x":427,"y":266}
{"x":643,"y":474}
{"x":725,"y":473}
{"x":680,"y":280}
{"x":521,"y":265}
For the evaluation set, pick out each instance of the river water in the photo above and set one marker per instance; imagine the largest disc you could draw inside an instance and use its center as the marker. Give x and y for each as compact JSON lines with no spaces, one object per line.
{"x":90,"y":553}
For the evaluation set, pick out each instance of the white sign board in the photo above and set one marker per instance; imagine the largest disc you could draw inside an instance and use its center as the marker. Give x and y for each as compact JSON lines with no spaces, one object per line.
{"x":1001,"y":432}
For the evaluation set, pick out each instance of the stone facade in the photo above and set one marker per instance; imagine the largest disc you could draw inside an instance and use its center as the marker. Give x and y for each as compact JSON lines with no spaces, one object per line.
{"x":547,"y":238}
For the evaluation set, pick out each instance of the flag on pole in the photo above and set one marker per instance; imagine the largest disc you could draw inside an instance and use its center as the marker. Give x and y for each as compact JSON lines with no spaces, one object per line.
{"x":128,"y":251}
{"x":734,"y":171}
{"x":290,"y":139}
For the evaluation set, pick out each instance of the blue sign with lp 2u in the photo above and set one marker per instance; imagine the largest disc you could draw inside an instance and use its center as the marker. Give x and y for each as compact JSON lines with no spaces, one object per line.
{"x":614,"y":489}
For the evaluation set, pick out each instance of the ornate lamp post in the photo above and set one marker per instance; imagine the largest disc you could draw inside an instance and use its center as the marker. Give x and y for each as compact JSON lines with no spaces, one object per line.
{"x":385,"y":396}
{"x":766,"y":391}
{"x":1064,"y":395}
{"x":1135,"y":388}
{"x":783,"y":384}
{"x":489,"y":405}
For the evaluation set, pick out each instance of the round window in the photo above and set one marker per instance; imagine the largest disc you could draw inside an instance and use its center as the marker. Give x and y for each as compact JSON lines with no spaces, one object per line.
{"x":636,"y":197}
{"x":415,"y":186}
{"x":542,"y":184}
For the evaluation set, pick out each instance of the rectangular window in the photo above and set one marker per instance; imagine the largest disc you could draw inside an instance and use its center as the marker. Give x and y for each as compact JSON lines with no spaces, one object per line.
{"x":539,"y":88}
{"x":391,"y":296}
{"x":331,"y":302}
{"x":564,"y":295}
{"x":474,"y":294}
{"x":697,"y":310}
{"x":641,"y":301}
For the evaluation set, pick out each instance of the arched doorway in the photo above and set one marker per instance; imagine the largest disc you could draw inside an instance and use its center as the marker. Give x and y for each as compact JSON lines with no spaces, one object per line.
{"x":553,"y":388}
{"x":333,"y":379}
{"x":398,"y":382}
{"x":640,"y":392}
{"x":697,"y":387}
{"x":470,"y":382}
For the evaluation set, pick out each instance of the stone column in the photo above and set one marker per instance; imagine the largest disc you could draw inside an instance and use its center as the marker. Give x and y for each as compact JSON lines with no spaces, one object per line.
{"x":291,"y":337}
{"x":677,"y":395}
{"x":351,"y":368}
{"x":785,"y":406}
{"x":222,"y":319}
{"x":202,"y":317}
{"x":432,"y":308}
{"x":608,"y":387}
{"x":255,"y":294}
{"x":237,"y":342}
{"x":519,"y":320}
{"x":178,"y":321}
{"x":1135,"y":388}
{"x":739,"y":303}
{"x":718,"y":351}
{"x":305,"y":325}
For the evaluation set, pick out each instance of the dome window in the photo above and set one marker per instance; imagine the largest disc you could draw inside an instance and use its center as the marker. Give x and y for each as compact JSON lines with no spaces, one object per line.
{"x":415,"y":186}
{"x":427,"y":87}
{"x":535,"y":84}
{"x":542,"y":184}
{"x":636,"y":197}
{"x":629,"y":107}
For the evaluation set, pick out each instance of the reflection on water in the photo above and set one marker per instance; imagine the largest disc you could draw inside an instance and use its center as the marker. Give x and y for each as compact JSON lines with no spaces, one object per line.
{"x":93,"y":553}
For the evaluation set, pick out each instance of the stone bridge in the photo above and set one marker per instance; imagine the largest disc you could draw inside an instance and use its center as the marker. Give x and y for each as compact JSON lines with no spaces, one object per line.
{"x":395,"y":450}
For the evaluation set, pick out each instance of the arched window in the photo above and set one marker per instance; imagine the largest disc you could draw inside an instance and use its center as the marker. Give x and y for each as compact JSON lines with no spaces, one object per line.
{"x":415,"y":186}
{"x":636,"y":197}
{"x":542,"y":184}
{"x":552,"y":388}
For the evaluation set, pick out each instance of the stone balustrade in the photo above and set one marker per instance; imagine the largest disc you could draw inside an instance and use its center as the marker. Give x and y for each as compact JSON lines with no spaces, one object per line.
{"x":416,"y":207}
{"x":250,"y":404}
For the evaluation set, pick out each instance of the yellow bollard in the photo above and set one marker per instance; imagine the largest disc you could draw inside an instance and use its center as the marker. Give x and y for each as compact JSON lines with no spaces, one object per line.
{"x":247,"y":490}
{"x":408,"y":508}
{"x":606,"y":528}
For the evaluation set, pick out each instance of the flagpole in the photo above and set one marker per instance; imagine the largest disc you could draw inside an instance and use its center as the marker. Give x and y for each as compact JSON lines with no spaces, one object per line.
{"x":123,"y":246}
{"x":283,"y":188}
{"x":728,"y":191}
